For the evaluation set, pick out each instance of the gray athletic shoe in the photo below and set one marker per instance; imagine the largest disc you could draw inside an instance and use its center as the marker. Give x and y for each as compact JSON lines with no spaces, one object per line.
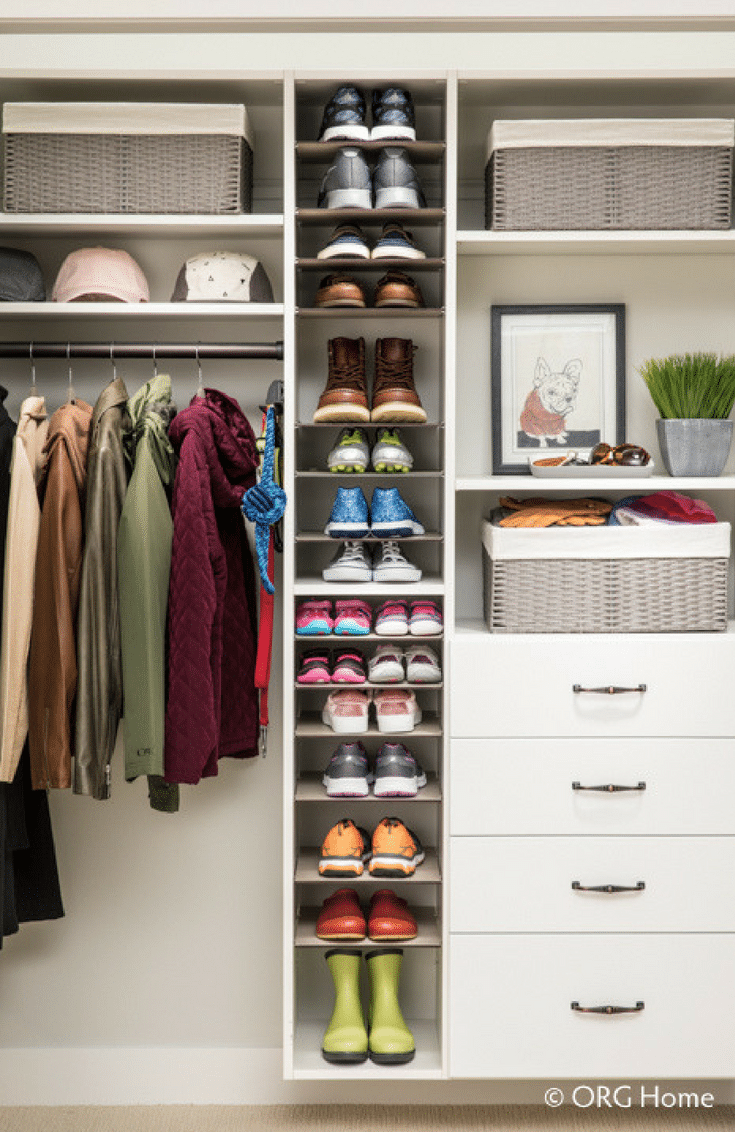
{"x":397,"y":774}
{"x":395,"y":182}
{"x":347,"y":775}
{"x":347,"y":181}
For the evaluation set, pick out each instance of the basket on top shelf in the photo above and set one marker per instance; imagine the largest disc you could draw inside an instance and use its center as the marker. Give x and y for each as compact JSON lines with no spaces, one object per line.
{"x":127,"y":157}
{"x":606,"y":174}
{"x":609,"y":579}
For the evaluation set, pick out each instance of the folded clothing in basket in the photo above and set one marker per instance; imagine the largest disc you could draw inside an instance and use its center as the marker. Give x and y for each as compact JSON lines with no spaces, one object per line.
{"x":541,"y":512}
{"x":661,"y":507}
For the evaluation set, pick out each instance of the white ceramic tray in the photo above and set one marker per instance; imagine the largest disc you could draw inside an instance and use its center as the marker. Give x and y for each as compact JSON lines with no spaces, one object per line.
{"x":590,"y":471}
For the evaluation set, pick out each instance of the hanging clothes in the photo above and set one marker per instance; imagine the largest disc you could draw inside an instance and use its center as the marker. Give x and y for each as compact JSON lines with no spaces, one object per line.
{"x":29,"y":880}
{"x":99,"y":682}
{"x":24,"y":516}
{"x":52,"y":670}
{"x":144,"y":564}
{"x":212,"y":704}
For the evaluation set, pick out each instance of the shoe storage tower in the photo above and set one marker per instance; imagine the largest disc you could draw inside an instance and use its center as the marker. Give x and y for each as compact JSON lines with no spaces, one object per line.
{"x":505,"y":944}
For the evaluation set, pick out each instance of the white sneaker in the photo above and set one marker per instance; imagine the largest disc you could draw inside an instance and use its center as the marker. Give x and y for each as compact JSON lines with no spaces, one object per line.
{"x":391,"y":565}
{"x":350,"y":564}
{"x":351,"y":452}
{"x":386,"y":665}
{"x":422,"y":665}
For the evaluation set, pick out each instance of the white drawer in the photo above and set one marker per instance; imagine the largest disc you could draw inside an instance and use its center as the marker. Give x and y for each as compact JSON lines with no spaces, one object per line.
{"x":525,"y":786}
{"x":524,"y":884}
{"x":510,"y":1006}
{"x":524,"y":685}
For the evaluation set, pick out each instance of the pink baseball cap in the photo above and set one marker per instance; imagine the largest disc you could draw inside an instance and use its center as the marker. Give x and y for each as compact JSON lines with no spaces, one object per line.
{"x":100,"y":274}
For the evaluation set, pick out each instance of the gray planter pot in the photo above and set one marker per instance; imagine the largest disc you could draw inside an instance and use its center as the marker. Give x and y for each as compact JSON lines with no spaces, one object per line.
{"x":694,"y":447}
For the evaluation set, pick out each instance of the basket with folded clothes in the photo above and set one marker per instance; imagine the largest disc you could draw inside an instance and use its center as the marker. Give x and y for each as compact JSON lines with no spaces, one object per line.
{"x":653,"y":563}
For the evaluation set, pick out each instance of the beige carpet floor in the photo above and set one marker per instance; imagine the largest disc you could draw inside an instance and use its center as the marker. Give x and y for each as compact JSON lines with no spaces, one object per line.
{"x":356,"y":1118}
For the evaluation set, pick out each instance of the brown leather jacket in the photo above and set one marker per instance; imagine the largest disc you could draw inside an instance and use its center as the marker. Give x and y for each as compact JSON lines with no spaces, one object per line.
{"x":52,"y":674}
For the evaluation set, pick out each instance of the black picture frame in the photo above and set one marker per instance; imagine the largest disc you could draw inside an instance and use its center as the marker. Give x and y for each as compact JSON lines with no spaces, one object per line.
{"x":595,"y":349}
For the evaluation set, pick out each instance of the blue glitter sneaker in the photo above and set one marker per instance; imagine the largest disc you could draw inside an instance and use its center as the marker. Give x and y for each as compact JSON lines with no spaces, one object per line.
{"x":344,"y":116}
{"x":350,"y":518}
{"x":391,"y":515}
{"x":393,"y":115}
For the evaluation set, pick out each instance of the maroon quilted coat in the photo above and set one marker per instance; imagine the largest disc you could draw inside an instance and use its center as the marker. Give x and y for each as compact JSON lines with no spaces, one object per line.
{"x":211,"y":709}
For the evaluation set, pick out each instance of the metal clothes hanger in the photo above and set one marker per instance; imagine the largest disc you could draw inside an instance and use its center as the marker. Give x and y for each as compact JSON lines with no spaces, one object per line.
{"x":112,"y":360}
{"x":155,"y":363}
{"x":200,"y":386}
{"x":71,"y":397}
{"x":34,"y":387}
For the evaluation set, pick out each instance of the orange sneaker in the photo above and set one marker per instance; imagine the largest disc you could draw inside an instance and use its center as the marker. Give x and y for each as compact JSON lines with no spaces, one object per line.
{"x":396,"y":850}
{"x":344,"y":851}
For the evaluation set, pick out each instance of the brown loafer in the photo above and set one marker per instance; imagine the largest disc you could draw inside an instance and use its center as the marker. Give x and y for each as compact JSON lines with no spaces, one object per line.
{"x":396,"y":289}
{"x":341,"y":916}
{"x":340,"y":291}
{"x":389,"y":917}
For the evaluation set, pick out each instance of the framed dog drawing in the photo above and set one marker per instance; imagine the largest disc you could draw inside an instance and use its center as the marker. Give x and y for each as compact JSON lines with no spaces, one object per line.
{"x":557,"y":380}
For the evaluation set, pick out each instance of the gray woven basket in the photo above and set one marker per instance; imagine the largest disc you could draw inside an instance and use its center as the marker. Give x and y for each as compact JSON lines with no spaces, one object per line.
{"x":635,"y":595}
{"x":116,"y":173}
{"x":633,"y":187}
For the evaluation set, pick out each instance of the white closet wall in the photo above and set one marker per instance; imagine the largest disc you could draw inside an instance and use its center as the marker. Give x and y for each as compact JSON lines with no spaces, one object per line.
{"x":163,"y":983}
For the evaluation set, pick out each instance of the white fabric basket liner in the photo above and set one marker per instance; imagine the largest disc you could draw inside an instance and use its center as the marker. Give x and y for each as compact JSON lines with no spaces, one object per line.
{"x":586,"y":132}
{"x":685,"y":540}
{"x":126,"y":118}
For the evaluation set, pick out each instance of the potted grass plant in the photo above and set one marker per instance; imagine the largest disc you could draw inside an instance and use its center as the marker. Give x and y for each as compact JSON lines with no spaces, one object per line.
{"x":694,"y":394}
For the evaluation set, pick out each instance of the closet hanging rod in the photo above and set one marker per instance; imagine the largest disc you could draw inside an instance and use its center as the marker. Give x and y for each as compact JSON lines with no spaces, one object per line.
{"x":236,"y":351}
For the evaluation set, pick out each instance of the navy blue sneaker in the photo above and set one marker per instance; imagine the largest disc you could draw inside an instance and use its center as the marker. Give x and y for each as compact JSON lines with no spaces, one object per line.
{"x":396,"y":243}
{"x":393,"y":115}
{"x":348,"y":242}
{"x":391,"y":515}
{"x":347,"y":182}
{"x":395,"y":182}
{"x":344,"y":116}
{"x":350,"y":518}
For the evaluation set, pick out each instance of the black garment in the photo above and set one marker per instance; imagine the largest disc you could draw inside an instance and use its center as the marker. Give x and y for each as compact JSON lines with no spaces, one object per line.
{"x":29,"y":879}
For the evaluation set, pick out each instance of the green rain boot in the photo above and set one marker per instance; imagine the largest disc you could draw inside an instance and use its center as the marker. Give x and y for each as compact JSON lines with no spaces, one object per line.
{"x":391,"y":1041}
{"x":346,"y":1037}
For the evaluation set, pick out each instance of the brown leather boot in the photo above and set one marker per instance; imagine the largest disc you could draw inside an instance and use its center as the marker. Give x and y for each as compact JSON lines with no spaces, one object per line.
{"x":345,"y":394}
{"x":394,"y":394}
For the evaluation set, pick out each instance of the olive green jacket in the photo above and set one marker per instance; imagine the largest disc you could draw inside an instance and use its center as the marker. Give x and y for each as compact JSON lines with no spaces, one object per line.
{"x":144,"y":563}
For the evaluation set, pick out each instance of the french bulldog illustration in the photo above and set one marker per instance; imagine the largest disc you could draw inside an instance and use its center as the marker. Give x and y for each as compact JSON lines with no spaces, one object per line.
{"x":550,"y":402}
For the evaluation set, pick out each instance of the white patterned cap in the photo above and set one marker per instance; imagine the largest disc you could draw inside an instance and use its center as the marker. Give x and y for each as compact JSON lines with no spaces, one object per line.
{"x":100,"y":273}
{"x":222,"y":277}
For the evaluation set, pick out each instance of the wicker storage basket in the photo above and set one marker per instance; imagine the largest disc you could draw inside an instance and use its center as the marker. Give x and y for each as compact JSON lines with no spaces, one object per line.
{"x":609,"y":174}
{"x":663,"y":579}
{"x":127,"y":157}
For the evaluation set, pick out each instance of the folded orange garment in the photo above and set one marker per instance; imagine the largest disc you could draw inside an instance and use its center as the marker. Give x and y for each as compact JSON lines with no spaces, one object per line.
{"x":541,"y":512}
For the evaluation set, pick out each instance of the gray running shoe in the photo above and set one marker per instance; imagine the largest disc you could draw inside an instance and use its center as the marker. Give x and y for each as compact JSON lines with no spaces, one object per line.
{"x":347,"y":775}
{"x":347,"y":181}
{"x":395,"y":182}
{"x":397,"y":774}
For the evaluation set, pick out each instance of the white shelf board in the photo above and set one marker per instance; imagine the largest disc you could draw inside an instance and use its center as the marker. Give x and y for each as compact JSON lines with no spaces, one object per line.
{"x":310,"y":1065}
{"x":476,"y":627}
{"x":316,"y":587}
{"x":538,"y":484}
{"x":176,"y":227}
{"x":309,"y":788}
{"x":652,"y":242}
{"x":429,"y":932}
{"x":307,"y":872}
{"x":49,"y":312}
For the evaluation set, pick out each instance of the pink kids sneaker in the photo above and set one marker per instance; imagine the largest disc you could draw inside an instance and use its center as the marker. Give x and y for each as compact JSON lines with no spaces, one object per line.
{"x":349,"y":668}
{"x":346,"y":712}
{"x":392,"y":619}
{"x":314,"y":618}
{"x":396,"y":709}
{"x":314,"y":667}
{"x":352,"y":617}
{"x":426,"y":619}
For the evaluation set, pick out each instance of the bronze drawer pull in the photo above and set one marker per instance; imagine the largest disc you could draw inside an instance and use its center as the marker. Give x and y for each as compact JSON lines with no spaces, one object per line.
{"x":609,"y":1009}
{"x":609,"y":788}
{"x":608,"y":690}
{"x":639,"y":887}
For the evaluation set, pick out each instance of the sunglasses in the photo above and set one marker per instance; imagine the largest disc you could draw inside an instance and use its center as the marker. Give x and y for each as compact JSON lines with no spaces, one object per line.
{"x":624,"y":455}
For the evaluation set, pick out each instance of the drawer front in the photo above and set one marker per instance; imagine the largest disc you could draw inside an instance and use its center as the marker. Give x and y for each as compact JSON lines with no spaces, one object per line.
{"x":524,"y":884}
{"x":510,"y":1006}
{"x":525,"y":786}
{"x":524,"y":685}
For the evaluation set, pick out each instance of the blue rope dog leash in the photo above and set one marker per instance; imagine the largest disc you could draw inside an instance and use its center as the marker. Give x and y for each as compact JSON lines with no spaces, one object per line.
{"x":265,"y":503}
